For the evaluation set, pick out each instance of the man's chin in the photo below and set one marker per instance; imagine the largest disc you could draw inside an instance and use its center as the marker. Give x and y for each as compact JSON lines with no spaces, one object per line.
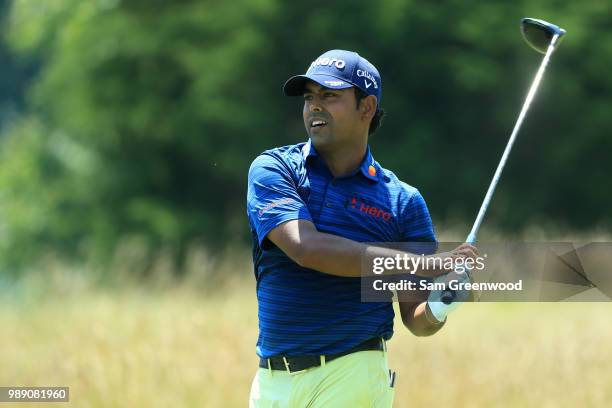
{"x":320,"y":139}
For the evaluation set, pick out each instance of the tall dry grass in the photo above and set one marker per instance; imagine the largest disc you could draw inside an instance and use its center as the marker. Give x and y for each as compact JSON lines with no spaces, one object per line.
{"x":163,"y":343}
{"x":179,"y":347}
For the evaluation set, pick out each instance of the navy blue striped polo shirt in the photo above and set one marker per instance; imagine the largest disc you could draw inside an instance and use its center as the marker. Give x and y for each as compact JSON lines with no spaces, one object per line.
{"x":303,"y":311}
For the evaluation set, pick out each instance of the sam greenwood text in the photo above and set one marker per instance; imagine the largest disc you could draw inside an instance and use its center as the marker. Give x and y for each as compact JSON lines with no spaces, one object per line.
{"x":454,"y":284}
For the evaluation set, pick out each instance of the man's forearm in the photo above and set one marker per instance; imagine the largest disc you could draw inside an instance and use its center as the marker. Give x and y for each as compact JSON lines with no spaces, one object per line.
{"x":331,"y":254}
{"x":340,"y":256}
{"x":419,"y":320}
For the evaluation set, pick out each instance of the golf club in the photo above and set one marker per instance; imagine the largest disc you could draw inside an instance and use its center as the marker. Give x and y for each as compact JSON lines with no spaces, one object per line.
{"x":543,"y":37}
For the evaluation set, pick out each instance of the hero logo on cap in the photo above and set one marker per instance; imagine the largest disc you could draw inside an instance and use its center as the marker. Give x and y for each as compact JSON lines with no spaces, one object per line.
{"x":328,"y":62}
{"x":338,"y":69}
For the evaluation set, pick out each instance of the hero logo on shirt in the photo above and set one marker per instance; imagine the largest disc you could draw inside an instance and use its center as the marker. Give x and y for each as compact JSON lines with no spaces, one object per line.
{"x":328,"y":62}
{"x":370,"y":210}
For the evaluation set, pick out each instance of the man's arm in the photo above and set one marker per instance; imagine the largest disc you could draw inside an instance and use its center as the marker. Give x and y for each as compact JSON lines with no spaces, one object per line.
{"x":418,"y":319}
{"x":334,"y":255}
{"x":327,"y":253}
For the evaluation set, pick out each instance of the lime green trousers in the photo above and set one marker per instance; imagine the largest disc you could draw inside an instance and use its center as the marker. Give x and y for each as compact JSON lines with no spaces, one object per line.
{"x":356,"y":380}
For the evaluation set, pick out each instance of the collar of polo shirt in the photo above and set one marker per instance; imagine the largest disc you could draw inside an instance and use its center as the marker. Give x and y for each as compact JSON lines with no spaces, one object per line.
{"x":368,"y":167}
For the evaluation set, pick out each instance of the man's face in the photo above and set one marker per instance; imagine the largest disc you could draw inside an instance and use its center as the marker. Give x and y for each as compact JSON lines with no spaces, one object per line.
{"x":331,"y":116}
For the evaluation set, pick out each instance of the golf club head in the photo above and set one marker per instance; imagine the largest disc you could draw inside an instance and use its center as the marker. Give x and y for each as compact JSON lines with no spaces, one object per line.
{"x":539,"y":33}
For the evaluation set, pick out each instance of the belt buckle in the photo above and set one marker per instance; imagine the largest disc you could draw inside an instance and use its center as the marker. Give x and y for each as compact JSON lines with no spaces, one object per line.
{"x":289,"y":368}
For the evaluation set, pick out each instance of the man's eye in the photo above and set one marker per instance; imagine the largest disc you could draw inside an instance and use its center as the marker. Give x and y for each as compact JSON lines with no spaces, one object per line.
{"x":307,"y":97}
{"x":329,"y":94}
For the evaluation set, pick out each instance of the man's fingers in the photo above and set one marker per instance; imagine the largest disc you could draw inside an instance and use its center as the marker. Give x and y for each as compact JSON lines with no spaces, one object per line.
{"x":462,"y":251}
{"x":467,"y":251}
{"x":469,"y":247}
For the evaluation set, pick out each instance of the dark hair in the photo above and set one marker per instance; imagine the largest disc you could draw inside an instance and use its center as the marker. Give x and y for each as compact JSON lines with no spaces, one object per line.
{"x":378,"y":116}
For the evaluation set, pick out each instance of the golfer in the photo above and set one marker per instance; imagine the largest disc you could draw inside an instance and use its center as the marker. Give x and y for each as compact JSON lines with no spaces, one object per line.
{"x":311,"y":208}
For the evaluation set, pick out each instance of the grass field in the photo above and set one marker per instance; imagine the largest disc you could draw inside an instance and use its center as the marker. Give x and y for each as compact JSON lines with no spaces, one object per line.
{"x":129,"y":347}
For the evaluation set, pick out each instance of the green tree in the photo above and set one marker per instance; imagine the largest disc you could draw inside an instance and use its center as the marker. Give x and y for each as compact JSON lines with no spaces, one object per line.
{"x":145,"y":116}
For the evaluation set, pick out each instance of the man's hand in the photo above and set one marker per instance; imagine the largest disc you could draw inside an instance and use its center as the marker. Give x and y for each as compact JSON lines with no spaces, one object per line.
{"x":436,"y":308}
{"x":464,"y":250}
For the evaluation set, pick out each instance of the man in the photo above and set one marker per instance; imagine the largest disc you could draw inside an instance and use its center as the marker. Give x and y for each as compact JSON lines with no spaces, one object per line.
{"x":311,"y":207}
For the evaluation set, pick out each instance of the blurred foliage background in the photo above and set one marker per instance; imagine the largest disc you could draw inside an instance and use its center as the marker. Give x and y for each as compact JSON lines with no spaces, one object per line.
{"x":134,"y":122}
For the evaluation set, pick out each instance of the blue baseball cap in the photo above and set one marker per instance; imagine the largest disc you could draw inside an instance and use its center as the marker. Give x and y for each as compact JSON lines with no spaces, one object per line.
{"x":338,"y":69}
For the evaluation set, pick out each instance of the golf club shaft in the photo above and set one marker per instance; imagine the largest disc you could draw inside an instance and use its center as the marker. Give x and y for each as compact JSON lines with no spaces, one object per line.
{"x":448,"y":295}
{"x":471,"y":239}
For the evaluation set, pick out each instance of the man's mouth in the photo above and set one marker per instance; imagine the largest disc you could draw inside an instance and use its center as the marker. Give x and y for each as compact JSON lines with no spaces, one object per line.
{"x":317,"y":123}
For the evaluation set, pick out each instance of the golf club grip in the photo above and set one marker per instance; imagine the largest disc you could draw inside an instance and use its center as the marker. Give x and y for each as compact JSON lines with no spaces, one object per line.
{"x":448,"y":295}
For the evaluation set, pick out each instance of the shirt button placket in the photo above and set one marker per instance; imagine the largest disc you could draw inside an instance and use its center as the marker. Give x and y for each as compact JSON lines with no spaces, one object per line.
{"x":328,"y":203}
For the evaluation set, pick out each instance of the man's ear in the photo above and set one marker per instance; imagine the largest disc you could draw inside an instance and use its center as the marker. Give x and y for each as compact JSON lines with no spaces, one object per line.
{"x":368,"y":106}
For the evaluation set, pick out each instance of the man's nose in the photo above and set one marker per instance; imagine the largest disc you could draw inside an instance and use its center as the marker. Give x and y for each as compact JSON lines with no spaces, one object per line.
{"x":315,"y":107}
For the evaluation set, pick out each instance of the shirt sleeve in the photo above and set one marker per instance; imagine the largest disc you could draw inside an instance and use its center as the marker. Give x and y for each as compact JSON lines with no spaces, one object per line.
{"x":416,"y":225}
{"x":272,"y":197}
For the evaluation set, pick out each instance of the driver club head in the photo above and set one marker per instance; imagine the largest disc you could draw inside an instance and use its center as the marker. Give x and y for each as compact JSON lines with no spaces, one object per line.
{"x":539,"y":33}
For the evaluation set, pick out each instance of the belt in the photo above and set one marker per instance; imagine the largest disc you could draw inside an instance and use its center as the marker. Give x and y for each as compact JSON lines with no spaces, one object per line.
{"x":300,"y":363}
